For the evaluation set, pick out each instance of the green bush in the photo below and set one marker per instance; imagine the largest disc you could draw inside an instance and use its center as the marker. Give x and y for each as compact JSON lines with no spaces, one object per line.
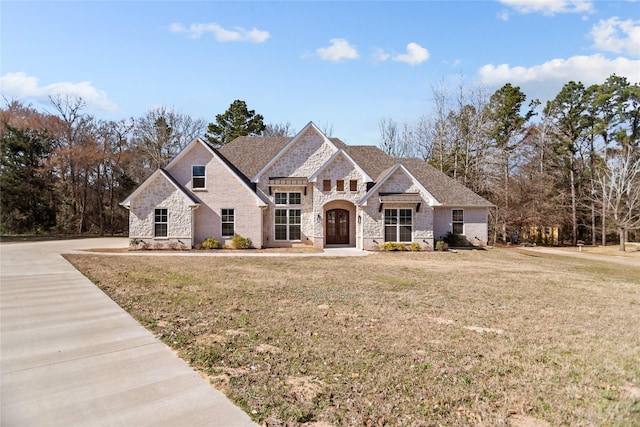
{"x":441,"y":246}
{"x":239,"y":242}
{"x":415,"y":247}
{"x":211,"y":243}
{"x":392,"y":246}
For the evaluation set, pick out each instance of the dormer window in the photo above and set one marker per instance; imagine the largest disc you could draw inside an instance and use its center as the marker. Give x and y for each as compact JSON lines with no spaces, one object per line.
{"x":198,"y":177}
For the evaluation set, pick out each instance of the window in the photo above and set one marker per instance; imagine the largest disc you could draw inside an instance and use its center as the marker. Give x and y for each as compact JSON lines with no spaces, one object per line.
{"x":160,"y":223}
{"x":197,"y":177}
{"x":457,"y":221}
{"x":288,"y":198}
{"x":353,"y":185}
{"x":288,"y":224}
{"x":326,"y":185}
{"x":339,"y":185}
{"x":281,"y":198}
{"x":398,"y":225}
{"x":228,"y":222}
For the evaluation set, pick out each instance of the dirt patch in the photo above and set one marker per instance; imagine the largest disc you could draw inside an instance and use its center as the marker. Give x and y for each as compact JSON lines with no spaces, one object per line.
{"x":266,"y":348}
{"x":525,"y":421}
{"x":305,"y":389}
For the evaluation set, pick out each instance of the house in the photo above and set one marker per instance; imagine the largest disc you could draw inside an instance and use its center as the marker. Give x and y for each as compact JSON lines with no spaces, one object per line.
{"x":306,"y":190}
{"x":547,"y":236}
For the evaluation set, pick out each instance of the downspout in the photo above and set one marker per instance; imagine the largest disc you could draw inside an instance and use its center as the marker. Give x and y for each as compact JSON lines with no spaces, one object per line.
{"x":360,"y":218}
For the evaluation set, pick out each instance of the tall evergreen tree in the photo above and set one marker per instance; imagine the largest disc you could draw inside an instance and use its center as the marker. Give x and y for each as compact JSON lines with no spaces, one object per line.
{"x":506,"y":131}
{"x":237,"y":121}
{"x":26,"y":194}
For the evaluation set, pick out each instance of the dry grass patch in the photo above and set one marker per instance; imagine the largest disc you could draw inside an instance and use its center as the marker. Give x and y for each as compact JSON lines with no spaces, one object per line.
{"x":482,"y":338}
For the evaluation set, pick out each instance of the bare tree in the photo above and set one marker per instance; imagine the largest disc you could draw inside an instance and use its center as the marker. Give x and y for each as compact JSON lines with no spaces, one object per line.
{"x":278,"y":129}
{"x":162,"y":132}
{"x":389,"y":136}
{"x":618,"y":190}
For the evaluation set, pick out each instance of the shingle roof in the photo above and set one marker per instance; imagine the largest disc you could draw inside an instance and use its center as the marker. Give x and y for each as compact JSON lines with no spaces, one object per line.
{"x":250,"y":153}
{"x":446,"y":190}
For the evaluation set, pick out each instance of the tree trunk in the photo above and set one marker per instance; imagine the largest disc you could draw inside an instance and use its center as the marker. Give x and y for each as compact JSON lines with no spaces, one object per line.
{"x":574,"y":208}
{"x":593,"y":224}
{"x":604,"y":224}
{"x":621,"y":232}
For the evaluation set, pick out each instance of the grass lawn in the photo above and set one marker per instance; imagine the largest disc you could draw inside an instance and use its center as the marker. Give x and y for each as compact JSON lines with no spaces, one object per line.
{"x":474,"y":338}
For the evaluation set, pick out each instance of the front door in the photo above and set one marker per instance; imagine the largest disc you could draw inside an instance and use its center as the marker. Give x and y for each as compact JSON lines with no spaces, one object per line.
{"x":337,"y":227}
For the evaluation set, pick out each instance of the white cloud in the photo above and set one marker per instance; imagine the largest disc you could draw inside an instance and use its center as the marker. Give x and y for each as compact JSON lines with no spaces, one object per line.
{"x":548,"y":7}
{"x":503,"y":15}
{"x":379,"y":55}
{"x":415,"y":55}
{"x":20,"y":86}
{"x":339,"y":49}
{"x":238,"y":34}
{"x":615,"y":35}
{"x":545,"y":81}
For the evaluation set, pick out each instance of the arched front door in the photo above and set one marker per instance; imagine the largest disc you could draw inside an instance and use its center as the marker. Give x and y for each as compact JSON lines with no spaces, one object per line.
{"x":337,"y":227}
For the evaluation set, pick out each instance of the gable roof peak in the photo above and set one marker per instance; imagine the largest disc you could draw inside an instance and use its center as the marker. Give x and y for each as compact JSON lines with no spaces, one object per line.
{"x":309,"y":127}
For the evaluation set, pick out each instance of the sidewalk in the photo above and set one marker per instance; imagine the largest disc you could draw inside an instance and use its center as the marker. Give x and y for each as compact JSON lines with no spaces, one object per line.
{"x":71,"y":357}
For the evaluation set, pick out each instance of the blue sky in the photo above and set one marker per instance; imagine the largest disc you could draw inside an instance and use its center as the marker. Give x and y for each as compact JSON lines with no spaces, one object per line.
{"x":344,"y":65}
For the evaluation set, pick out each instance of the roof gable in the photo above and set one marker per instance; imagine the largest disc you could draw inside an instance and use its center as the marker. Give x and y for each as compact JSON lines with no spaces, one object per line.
{"x":229,"y":166}
{"x":161,"y":173}
{"x":343,"y":153}
{"x":309,"y":127}
{"x":399,"y":168}
{"x":190,"y":146}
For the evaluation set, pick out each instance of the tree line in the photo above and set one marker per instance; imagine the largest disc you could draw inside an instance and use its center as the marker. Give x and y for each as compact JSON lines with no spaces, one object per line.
{"x":66,"y":171}
{"x":571,"y":164}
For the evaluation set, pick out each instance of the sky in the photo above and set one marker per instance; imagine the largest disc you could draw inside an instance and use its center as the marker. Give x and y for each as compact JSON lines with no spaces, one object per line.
{"x":345,"y":65}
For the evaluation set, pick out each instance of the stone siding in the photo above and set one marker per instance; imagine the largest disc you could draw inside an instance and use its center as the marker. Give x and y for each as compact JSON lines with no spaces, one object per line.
{"x":309,"y":152}
{"x":373,"y":220}
{"x":160,"y":193}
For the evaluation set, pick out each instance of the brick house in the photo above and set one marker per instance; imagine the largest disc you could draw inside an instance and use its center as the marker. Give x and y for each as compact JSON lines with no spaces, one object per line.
{"x":306,"y":190}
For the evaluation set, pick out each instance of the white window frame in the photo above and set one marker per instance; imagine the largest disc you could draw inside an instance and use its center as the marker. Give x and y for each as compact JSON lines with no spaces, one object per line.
{"x":287,"y":224}
{"x":156,"y":223}
{"x":455,"y":222}
{"x":203,"y":177}
{"x":223,"y":222}
{"x":287,"y":197}
{"x":397,"y":225}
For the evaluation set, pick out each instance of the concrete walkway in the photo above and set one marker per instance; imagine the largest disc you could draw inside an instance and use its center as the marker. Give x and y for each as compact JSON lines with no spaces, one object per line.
{"x":71,"y":357}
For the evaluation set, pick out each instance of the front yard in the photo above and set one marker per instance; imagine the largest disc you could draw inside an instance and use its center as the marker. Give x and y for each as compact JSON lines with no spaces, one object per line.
{"x":478,"y":337}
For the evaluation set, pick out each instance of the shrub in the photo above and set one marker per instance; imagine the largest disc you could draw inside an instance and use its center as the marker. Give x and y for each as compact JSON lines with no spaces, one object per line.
{"x":392,"y":246}
{"x":441,"y":246}
{"x":239,"y":242}
{"x":415,"y":247}
{"x":211,"y":243}
{"x":453,"y":239}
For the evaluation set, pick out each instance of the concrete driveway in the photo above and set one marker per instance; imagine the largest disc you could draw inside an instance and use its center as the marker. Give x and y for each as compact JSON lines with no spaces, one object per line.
{"x":71,"y":357}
